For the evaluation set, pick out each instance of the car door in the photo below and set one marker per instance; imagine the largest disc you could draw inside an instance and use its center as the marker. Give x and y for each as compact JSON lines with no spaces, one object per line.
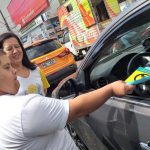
{"x":121,"y":123}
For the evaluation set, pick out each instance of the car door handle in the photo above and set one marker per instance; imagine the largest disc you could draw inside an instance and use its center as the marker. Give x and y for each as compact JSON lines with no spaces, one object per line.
{"x":144,"y":146}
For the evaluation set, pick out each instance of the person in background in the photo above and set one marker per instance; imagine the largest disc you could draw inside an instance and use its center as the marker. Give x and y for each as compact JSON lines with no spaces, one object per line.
{"x":31,"y":77}
{"x":35,"y":122}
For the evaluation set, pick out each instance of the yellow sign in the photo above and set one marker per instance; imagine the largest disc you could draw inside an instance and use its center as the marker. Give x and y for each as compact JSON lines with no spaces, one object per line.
{"x":138,"y":74}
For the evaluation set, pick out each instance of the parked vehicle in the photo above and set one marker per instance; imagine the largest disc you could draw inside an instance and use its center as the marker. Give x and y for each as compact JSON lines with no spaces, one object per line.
{"x":85,"y":20}
{"x":54,"y":59}
{"x":121,"y":123}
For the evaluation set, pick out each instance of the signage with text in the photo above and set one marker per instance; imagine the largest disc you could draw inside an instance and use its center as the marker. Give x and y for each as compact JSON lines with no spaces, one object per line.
{"x":23,"y":11}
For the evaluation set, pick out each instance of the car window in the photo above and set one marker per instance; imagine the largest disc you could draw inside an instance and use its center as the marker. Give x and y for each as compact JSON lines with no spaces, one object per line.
{"x":123,"y":44}
{"x":127,"y":40}
{"x":42,"y":49}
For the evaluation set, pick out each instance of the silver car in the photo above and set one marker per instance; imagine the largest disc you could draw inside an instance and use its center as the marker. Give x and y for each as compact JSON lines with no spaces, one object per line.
{"x":121,"y":123}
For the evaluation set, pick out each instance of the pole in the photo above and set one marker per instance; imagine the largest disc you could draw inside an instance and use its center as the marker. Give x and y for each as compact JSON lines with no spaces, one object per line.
{"x":7,"y":26}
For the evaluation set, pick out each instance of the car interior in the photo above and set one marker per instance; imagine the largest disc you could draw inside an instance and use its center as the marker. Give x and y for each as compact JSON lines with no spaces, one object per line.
{"x":121,"y":56}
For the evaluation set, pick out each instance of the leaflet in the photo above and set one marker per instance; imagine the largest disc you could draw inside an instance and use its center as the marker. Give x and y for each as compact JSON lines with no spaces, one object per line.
{"x":139,"y":76}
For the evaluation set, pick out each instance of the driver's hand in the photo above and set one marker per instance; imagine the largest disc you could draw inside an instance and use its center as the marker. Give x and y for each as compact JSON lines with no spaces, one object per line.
{"x":120,"y":88}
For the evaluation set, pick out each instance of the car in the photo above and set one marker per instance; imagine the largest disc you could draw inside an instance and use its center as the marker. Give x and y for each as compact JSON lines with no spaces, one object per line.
{"x":54,"y":59}
{"x":120,"y":123}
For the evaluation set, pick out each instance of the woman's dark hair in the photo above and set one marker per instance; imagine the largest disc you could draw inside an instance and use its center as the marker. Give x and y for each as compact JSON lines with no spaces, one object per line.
{"x":25,"y":61}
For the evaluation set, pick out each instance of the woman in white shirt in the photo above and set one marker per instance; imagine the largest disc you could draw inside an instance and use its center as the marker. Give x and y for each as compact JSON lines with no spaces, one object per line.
{"x":31,"y":78}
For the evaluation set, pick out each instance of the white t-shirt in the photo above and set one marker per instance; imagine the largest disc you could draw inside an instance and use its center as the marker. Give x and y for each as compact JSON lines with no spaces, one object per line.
{"x":33,"y":122}
{"x":31,"y":84}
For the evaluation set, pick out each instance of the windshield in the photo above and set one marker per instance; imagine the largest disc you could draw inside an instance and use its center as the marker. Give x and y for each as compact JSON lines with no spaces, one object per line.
{"x":42,"y":48}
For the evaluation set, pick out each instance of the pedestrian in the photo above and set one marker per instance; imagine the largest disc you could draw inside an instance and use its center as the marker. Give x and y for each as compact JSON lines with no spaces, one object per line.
{"x":35,"y":122}
{"x":31,"y":77}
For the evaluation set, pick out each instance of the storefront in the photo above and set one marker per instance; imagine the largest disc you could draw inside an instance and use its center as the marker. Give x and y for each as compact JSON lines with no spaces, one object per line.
{"x":35,"y":19}
{"x":52,"y":27}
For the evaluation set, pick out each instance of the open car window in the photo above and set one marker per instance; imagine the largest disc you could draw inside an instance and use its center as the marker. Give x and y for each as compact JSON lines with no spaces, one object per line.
{"x":126,"y":41}
{"x":113,"y":59}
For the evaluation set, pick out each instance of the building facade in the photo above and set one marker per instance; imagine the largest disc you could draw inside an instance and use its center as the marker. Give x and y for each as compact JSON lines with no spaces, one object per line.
{"x":85,"y":19}
{"x":31,"y":20}
{"x":37,"y":19}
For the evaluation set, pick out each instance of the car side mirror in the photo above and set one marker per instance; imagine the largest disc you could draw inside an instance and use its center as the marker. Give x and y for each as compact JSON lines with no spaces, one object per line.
{"x":69,"y":89}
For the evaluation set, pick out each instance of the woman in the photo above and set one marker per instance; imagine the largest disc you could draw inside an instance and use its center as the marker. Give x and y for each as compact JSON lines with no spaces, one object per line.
{"x":36,"y":122}
{"x":31,"y":78}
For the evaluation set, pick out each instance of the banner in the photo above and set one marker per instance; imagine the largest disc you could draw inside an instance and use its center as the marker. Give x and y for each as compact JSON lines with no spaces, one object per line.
{"x":23,"y":11}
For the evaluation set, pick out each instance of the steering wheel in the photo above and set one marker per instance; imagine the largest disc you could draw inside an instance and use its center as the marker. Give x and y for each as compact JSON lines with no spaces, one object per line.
{"x":140,"y":60}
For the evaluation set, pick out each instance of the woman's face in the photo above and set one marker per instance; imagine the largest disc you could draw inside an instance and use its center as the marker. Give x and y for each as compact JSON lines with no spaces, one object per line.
{"x":8,"y":78}
{"x":13,"y":50}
